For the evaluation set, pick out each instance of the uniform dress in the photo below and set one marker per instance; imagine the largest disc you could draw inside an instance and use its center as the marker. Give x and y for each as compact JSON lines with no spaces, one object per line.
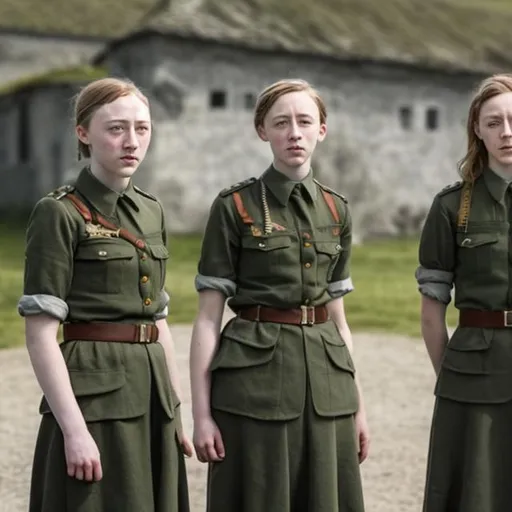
{"x":466,"y":243}
{"x":283,"y":395}
{"x":122,"y":389}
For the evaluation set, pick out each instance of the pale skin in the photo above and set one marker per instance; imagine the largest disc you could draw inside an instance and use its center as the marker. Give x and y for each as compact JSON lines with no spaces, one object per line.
{"x":494,"y":128}
{"x":293,"y":128}
{"x":118,"y":135}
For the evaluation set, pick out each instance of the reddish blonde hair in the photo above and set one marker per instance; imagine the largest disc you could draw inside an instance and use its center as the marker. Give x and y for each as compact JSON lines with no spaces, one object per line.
{"x":273,"y":92}
{"x":477,"y":157}
{"x":95,"y":95}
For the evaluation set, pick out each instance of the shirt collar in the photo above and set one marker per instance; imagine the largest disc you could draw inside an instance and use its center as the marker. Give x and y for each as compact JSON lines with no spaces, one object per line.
{"x":281,"y":186}
{"x":496,"y":185}
{"x":101,"y":197}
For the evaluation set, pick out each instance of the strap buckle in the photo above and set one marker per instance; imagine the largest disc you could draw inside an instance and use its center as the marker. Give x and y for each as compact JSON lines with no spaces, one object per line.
{"x":507,"y":318}
{"x":307,"y":319}
{"x":144,"y":335}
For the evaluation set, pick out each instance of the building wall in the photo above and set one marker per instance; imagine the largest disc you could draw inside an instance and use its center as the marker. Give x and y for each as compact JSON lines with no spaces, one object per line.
{"x":380,"y":150}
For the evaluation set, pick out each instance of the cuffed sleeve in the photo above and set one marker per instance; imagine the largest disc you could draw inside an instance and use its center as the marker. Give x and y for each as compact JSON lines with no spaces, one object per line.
{"x":163,"y":312}
{"x":51,"y":241}
{"x":437,"y":254}
{"x":340,"y":288}
{"x":30,"y":305}
{"x":220,"y":249}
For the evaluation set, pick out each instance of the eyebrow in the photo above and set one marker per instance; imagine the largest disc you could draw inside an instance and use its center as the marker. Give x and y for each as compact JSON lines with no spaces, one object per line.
{"x":125,"y":121}
{"x":284,"y":116}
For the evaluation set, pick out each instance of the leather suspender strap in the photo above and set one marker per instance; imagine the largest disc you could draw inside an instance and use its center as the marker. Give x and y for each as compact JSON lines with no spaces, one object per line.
{"x":329,"y":199}
{"x":121,"y":232}
{"x":246,"y":218}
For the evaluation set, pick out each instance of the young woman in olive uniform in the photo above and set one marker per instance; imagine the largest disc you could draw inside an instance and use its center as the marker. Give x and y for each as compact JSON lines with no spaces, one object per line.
{"x":277,"y":410}
{"x":95,"y":261}
{"x":466,"y":244}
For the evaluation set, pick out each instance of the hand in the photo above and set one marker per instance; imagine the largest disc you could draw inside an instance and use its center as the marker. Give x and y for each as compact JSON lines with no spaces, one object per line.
{"x":82,"y":457}
{"x":186,"y":445}
{"x":363,"y":435}
{"x":208,"y":441}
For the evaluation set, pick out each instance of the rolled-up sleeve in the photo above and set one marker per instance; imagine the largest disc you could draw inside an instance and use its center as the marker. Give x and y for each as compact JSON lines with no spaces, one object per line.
{"x":340,"y":282}
{"x":50,"y":242}
{"x":220,"y":248}
{"x":434,"y":274}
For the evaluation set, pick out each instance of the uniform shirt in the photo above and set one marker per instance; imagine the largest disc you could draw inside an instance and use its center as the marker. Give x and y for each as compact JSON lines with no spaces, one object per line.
{"x":303,"y":261}
{"x":77,"y":278}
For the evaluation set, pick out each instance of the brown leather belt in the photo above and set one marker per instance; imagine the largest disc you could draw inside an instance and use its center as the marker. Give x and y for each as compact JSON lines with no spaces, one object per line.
{"x":127,"y":333}
{"x":485,"y":319}
{"x":305,"y":315}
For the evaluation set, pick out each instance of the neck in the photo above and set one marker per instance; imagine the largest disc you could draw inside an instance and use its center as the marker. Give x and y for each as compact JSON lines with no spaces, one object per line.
{"x":110,"y":180}
{"x":293,"y":173}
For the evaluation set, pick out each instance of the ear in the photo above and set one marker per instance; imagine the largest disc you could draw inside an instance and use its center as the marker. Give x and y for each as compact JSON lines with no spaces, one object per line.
{"x":82,"y":135}
{"x":262,"y":134}
{"x":322,"y":133}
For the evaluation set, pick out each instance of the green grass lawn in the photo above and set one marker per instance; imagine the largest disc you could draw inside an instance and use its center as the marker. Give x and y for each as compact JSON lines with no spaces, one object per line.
{"x":385,"y":298}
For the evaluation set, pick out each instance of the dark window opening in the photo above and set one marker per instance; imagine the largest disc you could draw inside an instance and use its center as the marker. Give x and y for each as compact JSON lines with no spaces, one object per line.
{"x":406,"y":117}
{"x":432,"y":119}
{"x":249,"y":101}
{"x":217,"y":99}
{"x":24,"y":131}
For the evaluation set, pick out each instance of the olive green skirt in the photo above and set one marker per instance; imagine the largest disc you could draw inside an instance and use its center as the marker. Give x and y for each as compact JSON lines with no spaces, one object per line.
{"x":142,"y":462}
{"x":470,"y":458}
{"x":308,"y":464}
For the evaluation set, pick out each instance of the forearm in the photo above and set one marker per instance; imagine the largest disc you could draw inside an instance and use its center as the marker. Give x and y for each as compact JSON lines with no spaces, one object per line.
{"x":167,"y":342}
{"x":433,"y":330}
{"x":204,"y":344}
{"x":51,"y":372}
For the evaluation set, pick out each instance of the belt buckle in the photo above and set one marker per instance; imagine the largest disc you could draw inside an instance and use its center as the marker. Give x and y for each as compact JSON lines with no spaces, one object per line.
{"x":507,"y":318}
{"x":143,"y":333}
{"x":305,"y":320}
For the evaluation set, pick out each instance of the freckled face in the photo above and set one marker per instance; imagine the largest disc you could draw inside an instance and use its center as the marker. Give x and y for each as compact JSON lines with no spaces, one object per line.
{"x":118,"y":135}
{"x":292,"y":127}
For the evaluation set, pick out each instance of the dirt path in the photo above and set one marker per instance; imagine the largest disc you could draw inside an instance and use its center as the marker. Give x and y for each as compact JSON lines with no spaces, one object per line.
{"x":396,"y":378}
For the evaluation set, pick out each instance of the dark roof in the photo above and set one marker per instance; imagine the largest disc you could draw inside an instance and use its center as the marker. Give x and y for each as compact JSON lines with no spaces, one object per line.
{"x":80,"y":18}
{"x":473,"y":35}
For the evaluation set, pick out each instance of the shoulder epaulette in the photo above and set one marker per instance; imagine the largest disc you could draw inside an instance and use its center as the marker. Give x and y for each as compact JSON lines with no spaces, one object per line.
{"x":451,"y":188}
{"x":61,"y":192}
{"x":331,"y":191}
{"x":144,"y":193}
{"x":237,"y":186}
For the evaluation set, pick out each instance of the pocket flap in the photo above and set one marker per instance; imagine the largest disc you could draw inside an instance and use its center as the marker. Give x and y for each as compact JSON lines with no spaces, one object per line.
{"x":159,"y":251}
{"x":96,"y":382}
{"x":332,"y":247}
{"x":470,"y":240}
{"x":102,"y":250}
{"x":244,"y":344}
{"x":339,"y":355}
{"x":266,"y":243}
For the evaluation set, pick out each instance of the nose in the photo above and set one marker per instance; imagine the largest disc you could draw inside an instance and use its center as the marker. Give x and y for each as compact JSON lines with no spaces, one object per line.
{"x":294,"y":131}
{"x":131,"y":140}
{"x":507,"y":129}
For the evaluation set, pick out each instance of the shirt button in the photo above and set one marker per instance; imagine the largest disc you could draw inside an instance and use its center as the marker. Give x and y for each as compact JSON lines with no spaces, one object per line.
{"x":147,"y":302}
{"x":307,"y":244}
{"x":102,"y":253}
{"x":307,"y":265}
{"x":338,"y":247}
{"x":143,"y":257}
{"x":144,"y":279}
{"x":261,"y":244}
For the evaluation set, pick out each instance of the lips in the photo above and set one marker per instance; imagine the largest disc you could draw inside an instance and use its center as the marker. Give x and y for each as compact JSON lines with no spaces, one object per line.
{"x":295,"y":148}
{"x":129,"y":158}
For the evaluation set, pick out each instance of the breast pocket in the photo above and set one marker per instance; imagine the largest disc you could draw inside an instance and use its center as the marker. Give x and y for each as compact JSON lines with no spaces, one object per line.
{"x":101,"y":266}
{"x":262,"y":256}
{"x":328,"y":253}
{"x":475,"y":251}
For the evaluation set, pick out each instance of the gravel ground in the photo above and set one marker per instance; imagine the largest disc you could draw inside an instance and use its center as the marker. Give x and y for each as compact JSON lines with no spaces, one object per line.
{"x":397,"y":382}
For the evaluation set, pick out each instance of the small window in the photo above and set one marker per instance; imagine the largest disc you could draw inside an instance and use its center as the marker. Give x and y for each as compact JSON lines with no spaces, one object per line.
{"x":249,"y":101}
{"x":217,"y":99}
{"x":405,"y":114}
{"x":432,"y":119}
